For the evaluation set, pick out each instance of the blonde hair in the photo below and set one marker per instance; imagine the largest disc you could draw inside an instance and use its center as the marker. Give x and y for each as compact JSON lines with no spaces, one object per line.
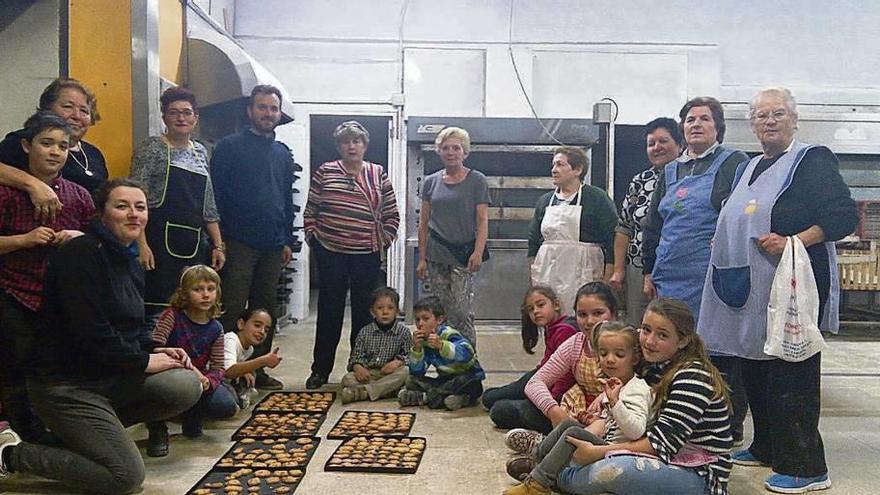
{"x":188,"y":279}
{"x":454,"y":132}
{"x":679,"y":314}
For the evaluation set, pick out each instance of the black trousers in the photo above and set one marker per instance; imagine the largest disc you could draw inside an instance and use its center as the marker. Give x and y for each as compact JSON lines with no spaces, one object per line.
{"x":785,"y":402}
{"x":731,"y":368}
{"x":339,"y":274}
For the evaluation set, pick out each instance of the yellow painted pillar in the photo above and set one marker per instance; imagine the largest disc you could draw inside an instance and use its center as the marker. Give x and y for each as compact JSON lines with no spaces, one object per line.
{"x":171,"y":58}
{"x":100,"y":56}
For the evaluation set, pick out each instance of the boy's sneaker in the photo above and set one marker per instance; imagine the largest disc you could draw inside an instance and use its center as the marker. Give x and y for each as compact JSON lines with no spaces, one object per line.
{"x":8,"y":438}
{"x":528,"y":487}
{"x":522,"y":440}
{"x":520,"y":466}
{"x":352,"y":394}
{"x":783,"y":483}
{"x":455,"y":402}
{"x":411,"y":398}
{"x":745,"y":458}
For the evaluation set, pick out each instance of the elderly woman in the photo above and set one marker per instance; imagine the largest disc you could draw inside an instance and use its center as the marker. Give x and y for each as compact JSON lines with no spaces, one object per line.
{"x":95,"y":369}
{"x":350,"y":219}
{"x":85,"y":166}
{"x":664,"y":144}
{"x":174,"y":171}
{"x":453,"y":230}
{"x":792,"y":189}
{"x":572,"y":230}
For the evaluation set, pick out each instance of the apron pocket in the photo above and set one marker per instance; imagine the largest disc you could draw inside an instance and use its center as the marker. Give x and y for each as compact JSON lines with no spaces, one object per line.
{"x":182,"y":241}
{"x":732,"y":285}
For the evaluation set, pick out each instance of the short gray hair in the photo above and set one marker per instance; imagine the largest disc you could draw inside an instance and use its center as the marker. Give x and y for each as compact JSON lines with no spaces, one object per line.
{"x":787,"y":99}
{"x":454,"y":132}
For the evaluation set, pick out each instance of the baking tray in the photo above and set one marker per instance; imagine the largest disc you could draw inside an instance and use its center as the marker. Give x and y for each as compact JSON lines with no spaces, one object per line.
{"x":373,"y":464}
{"x":250,"y":430}
{"x":318,"y":402}
{"x":244,"y":476}
{"x":342,"y":431}
{"x":250,"y":452}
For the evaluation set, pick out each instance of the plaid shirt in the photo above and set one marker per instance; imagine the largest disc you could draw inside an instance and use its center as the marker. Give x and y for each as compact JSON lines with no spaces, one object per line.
{"x":375,"y":347}
{"x":22,"y":270}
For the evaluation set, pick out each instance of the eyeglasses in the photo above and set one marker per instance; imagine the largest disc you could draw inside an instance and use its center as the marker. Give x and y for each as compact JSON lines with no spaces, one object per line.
{"x":764,"y":116}
{"x":177,"y":113}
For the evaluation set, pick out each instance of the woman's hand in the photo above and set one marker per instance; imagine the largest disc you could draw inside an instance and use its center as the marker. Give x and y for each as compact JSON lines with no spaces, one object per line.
{"x":772,"y":243}
{"x":160,"y":361}
{"x":145,"y":257}
{"x":475,"y":261}
{"x":422,"y":270}
{"x":648,"y":289}
{"x":176,"y":353}
{"x":585,"y":453}
{"x":616,"y":279}
{"x":47,"y":206}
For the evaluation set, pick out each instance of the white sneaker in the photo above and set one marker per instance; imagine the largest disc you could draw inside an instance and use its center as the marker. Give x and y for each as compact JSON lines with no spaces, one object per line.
{"x":522,"y":440}
{"x":8,"y":438}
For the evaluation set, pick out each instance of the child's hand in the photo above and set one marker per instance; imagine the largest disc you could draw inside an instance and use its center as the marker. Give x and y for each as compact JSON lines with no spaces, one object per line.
{"x":585,"y":453}
{"x":612,"y":389}
{"x":586,"y":417}
{"x":250,"y":379}
{"x":361,"y":373}
{"x":40,"y":236}
{"x":272,"y":359}
{"x":206,"y":384}
{"x":391,"y":366}
{"x":418,"y":339}
{"x":434,"y":341}
{"x":63,"y":236}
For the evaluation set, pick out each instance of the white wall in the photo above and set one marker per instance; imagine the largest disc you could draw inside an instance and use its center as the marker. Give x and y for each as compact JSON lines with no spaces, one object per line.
{"x":28,"y":61}
{"x":649,"y":56}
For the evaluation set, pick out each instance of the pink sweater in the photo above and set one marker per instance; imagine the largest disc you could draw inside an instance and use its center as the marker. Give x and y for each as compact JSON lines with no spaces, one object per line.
{"x":561,"y":363}
{"x":554,"y":335}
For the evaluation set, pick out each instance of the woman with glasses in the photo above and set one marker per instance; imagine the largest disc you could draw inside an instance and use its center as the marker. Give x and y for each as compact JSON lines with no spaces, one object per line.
{"x":349,"y":220}
{"x":791,"y":189}
{"x":76,"y":104}
{"x":183,"y":215}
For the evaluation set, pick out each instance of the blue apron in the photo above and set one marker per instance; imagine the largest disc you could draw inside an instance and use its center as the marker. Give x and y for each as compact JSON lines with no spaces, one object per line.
{"x":733,"y":321}
{"x":688,"y":226}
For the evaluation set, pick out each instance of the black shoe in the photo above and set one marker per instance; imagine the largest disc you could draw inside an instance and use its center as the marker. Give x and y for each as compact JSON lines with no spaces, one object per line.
{"x":157,"y":444}
{"x":266,"y":382}
{"x":315,"y":381}
{"x":192,"y":428}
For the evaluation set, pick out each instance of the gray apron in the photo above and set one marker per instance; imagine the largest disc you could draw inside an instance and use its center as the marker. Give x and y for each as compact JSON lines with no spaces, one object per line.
{"x":733,"y":314}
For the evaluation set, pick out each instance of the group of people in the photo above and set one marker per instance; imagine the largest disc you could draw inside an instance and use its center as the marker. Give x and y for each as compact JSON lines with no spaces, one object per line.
{"x":110,"y":320}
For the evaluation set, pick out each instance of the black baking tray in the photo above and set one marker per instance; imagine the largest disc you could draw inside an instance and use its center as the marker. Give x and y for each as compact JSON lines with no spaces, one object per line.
{"x":259,"y":445}
{"x":242,"y":431}
{"x":373,"y":469}
{"x":333,"y":434}
{"x":263,"y":405}
{"x":265,"y":488}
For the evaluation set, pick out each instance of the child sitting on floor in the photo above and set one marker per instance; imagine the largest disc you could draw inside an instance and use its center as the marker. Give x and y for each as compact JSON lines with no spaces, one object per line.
{"x":459,"y":375}
{"x":377,"y":366}
{"x":238,"y":346}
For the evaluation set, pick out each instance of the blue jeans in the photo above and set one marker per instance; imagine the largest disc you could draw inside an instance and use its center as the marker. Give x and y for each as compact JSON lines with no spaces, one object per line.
{"x":219,"y":404}
{"x":630,"y":475}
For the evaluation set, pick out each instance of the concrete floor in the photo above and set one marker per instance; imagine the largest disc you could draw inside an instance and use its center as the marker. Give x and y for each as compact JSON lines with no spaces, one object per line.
{"x":466,"y":455}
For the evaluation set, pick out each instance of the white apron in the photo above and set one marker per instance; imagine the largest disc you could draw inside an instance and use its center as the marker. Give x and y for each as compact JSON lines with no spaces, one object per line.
{"x":563,"y":262}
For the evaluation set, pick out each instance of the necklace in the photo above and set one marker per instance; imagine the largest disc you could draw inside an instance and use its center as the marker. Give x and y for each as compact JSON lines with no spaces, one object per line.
{"x":84,"y":166}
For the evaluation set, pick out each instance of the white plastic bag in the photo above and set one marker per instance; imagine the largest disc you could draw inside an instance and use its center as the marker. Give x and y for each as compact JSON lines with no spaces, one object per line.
{"x":793,"y":312}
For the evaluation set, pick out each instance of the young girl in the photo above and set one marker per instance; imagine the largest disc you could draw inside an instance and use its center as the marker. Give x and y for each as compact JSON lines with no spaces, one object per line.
{"x":619,"y":414}
{"x":508,"y":406}
{"x":690,"y":439}
{"x":238,"y":346}
{"x":594,"y":303}
{"x":190,"y":324}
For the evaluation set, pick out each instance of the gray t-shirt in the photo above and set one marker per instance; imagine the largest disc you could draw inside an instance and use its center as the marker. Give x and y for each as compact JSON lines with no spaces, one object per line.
{"x":453,"y":211}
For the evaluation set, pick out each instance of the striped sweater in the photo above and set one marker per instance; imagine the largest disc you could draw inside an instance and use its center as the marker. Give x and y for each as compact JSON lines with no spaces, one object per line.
{"x":351,"y":215}
{"x":689,"y":417}
{"x":455,"y":357}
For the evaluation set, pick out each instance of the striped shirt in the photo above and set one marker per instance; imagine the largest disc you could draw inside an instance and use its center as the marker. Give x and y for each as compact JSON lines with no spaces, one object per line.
{"x":376,"y":346}
{"x":203,"y":342}
{"x":690,"y":417}
{"x":351,"y":215}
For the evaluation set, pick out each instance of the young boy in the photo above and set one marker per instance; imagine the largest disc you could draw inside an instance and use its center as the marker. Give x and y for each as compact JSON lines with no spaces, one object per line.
{"x":459,"y":375}
{"x":25,"y":247}
{"x":238,"y":346}
{"x":377,"y":366}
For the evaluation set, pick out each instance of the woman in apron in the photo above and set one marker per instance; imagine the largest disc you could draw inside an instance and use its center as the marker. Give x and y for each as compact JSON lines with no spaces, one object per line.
{"x":572,"y":230}
{"x":174,"y":171}
{"x":791,"y":189}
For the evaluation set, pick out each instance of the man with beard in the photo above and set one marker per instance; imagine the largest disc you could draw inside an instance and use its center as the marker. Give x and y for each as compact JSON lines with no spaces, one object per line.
{"x":253,"y":181}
